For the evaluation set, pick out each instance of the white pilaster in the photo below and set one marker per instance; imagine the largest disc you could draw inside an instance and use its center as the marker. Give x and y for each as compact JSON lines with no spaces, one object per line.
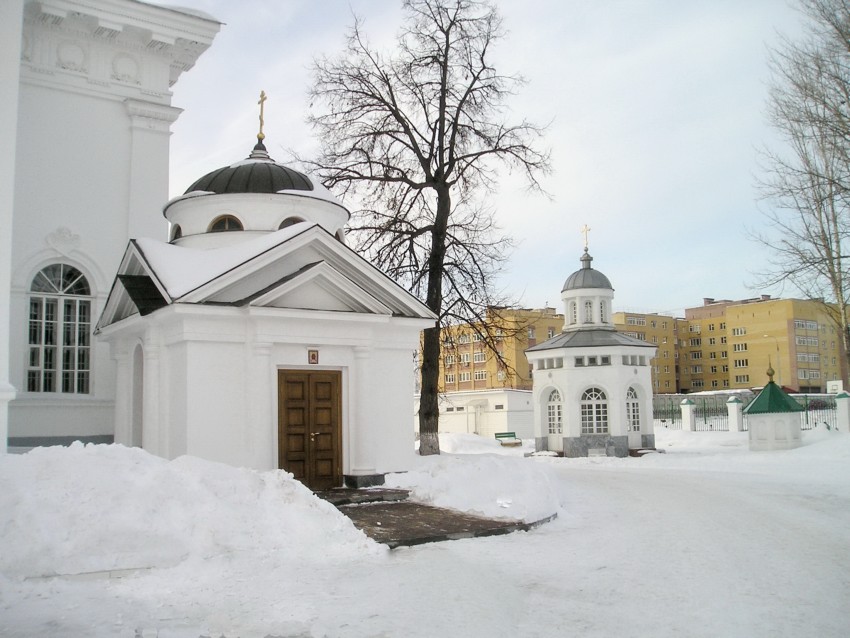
{"x":363,"y":456}
{"x":736,"y":414}
{"x":11,"y":25}
{"x":688,"y":416}
{"x":842,"y":416}
{"x":151,"y":425}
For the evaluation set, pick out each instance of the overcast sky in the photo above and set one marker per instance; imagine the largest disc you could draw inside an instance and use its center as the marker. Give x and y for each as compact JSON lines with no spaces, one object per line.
{"x":656,"y":112}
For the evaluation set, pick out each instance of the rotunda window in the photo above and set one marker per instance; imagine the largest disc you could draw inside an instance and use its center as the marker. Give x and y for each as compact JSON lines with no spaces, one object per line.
{"x":554,"y":413}
{"x":225,"y":223}
{"x":588,"y":311}
{"x":289,"y":221}
{"x":632,"y":411}
{"x":573,"y":312}
{"x":594,"y":412}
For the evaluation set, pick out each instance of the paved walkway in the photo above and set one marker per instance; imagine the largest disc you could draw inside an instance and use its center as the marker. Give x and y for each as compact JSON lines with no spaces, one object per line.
{"x":387,"y":517}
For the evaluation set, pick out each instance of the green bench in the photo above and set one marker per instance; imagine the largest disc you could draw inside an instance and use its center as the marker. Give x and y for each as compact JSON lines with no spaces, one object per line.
{"x":508,"y":438}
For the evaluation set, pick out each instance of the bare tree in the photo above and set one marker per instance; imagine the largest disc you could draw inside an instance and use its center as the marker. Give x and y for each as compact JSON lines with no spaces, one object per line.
{"x":416,"y":135}
{"x":808,"y":180}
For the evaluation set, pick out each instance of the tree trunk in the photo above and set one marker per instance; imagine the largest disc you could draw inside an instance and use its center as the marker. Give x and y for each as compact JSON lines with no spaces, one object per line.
{"x":429,"y":409}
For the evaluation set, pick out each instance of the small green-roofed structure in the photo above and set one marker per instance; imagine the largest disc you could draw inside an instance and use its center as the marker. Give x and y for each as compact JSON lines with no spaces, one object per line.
{"x":773,"y":419}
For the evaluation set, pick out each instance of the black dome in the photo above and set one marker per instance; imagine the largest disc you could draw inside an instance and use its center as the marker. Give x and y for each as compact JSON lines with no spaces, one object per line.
{"x":257,"y":174}
{"x":586,"y":277}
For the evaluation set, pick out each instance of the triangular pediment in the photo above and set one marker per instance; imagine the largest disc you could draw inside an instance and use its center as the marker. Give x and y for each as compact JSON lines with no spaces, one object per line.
{"x":135,"y":290}
{"x":361,"y":286}
{"x":319,"y":287}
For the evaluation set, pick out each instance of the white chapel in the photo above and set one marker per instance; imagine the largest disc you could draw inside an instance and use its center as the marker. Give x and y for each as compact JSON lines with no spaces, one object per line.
{"x":592,"y":387}
{"x":256,"y":337}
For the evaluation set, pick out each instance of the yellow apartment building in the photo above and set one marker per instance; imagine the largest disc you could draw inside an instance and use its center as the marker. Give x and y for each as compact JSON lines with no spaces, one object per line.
{"x":720,"y":345}
{"x":663,"y":331}
{"x":794,"y":336}
{"x":466,"y":363}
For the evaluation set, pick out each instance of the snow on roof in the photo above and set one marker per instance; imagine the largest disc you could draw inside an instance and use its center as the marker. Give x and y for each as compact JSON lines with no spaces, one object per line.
{"x":181,"y":269}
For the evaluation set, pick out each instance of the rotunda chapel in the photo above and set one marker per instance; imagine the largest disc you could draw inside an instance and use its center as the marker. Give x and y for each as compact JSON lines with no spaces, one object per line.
{"x":592,"y":388}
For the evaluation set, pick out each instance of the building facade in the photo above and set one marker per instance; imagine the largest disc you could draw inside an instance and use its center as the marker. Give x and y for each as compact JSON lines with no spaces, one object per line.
{"x":92,"y":115}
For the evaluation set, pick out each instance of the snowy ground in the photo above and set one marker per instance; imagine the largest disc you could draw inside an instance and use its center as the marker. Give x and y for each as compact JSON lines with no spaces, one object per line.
{"x":708,"y":539}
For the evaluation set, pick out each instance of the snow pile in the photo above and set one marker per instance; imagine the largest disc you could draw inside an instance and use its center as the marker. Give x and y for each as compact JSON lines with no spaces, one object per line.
{"x":106,"y":507}
{"x":490,"y":485}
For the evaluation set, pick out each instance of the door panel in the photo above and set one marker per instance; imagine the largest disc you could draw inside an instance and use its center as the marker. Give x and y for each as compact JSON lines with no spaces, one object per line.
{"x":309,"y":427}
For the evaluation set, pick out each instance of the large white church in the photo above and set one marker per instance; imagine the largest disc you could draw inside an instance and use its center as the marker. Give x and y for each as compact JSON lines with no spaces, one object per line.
{"x":231,"y":323}
{"x":85,"y":106}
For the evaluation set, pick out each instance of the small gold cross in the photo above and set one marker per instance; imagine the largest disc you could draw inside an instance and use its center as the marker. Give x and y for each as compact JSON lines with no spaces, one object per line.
{"x":585,"y":229}
{"x":263,"y":98}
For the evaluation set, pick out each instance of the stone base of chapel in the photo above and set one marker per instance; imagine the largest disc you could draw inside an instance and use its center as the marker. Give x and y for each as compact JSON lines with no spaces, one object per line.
{"x":358,"y":481}
{"x":596,"y":445}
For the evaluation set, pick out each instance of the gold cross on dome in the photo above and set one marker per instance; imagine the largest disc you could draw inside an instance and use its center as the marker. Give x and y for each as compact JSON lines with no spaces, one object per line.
{"x":261,"y":136}
{"x":584,"y":230}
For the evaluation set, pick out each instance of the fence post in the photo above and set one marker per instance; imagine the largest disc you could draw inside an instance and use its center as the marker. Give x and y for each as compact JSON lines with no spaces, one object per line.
{"x":842,"y":412}
{"x":735,"y":407}
{"x":688,"y":416}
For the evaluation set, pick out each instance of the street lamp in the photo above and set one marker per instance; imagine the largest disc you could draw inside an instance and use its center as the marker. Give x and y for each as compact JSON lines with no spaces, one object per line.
{"x":778,"y":364}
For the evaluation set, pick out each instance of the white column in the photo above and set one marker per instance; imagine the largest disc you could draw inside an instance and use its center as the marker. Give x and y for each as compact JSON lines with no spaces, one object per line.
{"x":11,"y":25}
{"x":735,"y":408}
{"x":842,"y":416}
{"x":688,"y":416}
{"x":363,"y":450}
{"x":151,"y":434}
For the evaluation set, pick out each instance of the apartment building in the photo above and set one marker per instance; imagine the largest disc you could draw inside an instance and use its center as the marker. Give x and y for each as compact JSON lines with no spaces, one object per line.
{"x":467,"y":363}
{"x":721,"y":345}
{"x":662,"y":331}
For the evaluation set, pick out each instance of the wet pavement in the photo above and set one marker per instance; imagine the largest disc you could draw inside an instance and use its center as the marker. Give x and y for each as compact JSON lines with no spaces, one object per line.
{"x":387,"y":517}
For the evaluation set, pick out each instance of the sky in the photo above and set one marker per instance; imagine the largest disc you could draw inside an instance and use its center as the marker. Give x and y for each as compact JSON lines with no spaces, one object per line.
{"x":707,"y":539}
{"x":656,"y":113}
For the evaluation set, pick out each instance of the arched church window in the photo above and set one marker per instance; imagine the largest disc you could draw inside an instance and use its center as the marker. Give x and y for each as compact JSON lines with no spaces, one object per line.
{"x":554,"y":413}
{"x":225,"y":223}
{"x":289,"y":221}
{"x":176,"y":232}
{"x":603,"y":316}
{"x":59,"y":331}
{"x":632,"y":411}
{"x":573,"y":312}
{"x":588,"y":312}
{"x":594,"y":412}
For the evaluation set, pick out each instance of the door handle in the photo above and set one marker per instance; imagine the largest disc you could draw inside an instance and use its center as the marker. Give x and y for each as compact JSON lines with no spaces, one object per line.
{"x":313,"y":435}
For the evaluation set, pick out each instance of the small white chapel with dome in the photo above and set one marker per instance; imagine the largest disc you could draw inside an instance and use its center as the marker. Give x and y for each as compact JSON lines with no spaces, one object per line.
{"x":256,"y":337}
{"x":592,"y":387}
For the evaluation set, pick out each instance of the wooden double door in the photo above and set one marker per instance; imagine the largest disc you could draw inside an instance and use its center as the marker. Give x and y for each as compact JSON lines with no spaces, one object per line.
{"x":309,"y":427}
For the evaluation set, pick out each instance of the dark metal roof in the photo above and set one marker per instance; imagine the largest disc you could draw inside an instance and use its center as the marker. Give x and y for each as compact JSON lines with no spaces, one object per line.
{"x":143,"y":292}
{"x":586,"y":277}
{"x":589,"y":338}
{"x":257,"y":174}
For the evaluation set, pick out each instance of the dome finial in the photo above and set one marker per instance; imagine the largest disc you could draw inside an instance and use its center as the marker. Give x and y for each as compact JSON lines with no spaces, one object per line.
{"x":770,"y":371}
{"x":261,"y":136}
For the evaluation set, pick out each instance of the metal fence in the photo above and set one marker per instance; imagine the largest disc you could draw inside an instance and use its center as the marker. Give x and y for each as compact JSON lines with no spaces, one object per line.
{"x":819,"y":410}
{"x":712,"y":415}
{"x":666,"y":411}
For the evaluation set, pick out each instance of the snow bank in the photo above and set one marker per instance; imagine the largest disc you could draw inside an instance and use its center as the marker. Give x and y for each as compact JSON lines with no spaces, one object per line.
{"x":490,"y":485}
{"x":106,"y":507}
